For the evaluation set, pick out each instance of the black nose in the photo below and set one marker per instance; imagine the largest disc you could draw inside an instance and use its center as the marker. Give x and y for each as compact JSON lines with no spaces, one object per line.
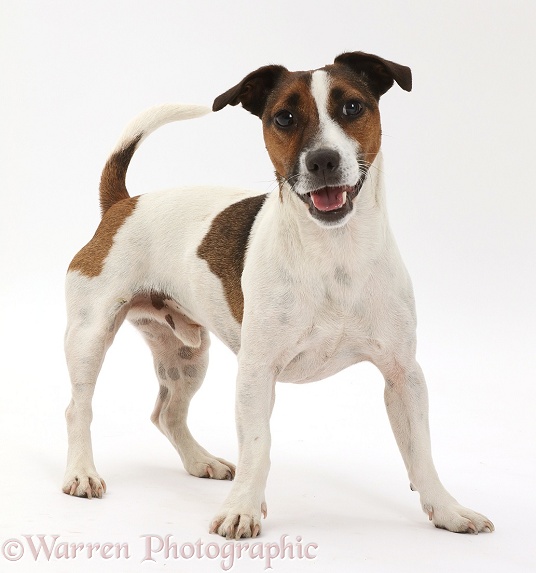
{"x":322,"y":160}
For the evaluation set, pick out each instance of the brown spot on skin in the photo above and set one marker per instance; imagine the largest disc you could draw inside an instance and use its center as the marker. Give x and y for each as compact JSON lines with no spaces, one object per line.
{"x":224,"y":248}
{"x":173,"y":373}
{"x":342,"y":276}
{"x":169,"y":320}
{"x":90,"y":260}
{"x":163,"y":393}
{"x":162,"y":371}
{"x":190,"y":371}
{"x":186,"y":353}
{"x":157,"y":300}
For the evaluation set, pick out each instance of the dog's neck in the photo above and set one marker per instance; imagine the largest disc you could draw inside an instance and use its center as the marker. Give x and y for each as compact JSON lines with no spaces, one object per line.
{"x":303,"y":236}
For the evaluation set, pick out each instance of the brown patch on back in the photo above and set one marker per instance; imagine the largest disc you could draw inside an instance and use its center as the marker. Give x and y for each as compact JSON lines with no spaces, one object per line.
{"x":90,"y":260}
{"x":224,"y":248}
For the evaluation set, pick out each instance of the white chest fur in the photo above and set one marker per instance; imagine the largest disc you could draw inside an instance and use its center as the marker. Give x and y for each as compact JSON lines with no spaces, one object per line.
{"x":316,"y":298}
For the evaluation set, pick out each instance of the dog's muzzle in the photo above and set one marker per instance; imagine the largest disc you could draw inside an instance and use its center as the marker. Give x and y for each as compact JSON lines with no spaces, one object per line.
{"x":332,"y":204}
{"x":330,"y":200}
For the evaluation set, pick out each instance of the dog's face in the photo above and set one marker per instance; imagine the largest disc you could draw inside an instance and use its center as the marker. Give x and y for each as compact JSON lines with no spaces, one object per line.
{"x":322,"y":128}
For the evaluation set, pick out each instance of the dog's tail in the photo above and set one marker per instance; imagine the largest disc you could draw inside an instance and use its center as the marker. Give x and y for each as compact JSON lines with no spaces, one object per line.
{"x":112,"y":185}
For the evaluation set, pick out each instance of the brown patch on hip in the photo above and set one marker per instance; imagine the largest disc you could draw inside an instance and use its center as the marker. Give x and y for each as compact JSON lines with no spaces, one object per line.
{"x":224,"y":248}
{"x":90,"y":260}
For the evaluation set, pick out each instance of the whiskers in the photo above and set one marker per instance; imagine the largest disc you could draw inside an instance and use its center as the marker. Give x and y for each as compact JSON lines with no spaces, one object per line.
{"x":365,"y":165}
{"x":290,"y":181}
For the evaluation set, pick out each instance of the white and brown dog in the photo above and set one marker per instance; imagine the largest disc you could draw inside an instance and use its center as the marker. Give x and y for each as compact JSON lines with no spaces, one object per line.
{"x":299,"y":283}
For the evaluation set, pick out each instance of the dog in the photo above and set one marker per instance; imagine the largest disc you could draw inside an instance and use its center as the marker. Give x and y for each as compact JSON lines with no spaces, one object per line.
{"x":299,"y":283}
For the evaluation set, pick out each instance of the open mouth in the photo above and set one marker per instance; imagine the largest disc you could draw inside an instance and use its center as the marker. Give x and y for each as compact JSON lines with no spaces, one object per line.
{"x":330,"y":205}
{"x":330,"y":198}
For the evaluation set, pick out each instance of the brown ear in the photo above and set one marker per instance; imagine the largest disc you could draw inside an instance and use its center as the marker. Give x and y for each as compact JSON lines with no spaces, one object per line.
{"x":252,"y":92}
{"x":381,"y":74}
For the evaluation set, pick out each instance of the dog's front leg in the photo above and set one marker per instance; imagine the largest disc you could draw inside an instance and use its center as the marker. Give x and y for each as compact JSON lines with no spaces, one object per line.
{"x":255,"y":394}
{"x":406,"y":398}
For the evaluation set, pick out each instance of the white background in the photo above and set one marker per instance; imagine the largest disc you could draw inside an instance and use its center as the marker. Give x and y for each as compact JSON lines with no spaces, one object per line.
{"x":460,"y":171}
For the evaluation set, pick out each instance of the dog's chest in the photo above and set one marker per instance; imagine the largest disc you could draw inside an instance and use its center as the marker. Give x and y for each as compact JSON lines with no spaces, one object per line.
{"x":329,"y":329}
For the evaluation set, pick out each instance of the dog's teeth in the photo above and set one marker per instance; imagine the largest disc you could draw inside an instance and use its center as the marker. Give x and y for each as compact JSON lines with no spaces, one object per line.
{"x":344,"y":197}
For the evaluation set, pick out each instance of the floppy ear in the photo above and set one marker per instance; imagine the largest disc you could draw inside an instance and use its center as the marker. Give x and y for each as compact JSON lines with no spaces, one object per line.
{"x":381,"y":74}
{"x":252,"y":92}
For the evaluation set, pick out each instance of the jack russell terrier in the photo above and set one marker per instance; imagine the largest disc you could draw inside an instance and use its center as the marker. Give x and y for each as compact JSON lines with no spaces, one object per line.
{"x":298,"y":283}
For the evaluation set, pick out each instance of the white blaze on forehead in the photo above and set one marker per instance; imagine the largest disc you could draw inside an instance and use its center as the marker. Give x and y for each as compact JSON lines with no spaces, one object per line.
{"x":330,"y":134}
{"x":320,"y":89}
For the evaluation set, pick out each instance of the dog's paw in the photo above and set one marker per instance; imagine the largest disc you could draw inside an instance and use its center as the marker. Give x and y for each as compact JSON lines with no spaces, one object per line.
{"x":210,"y":467}
{"x":456,"y":518}
{"x":235,"y":522}
{"x":84,"y":484}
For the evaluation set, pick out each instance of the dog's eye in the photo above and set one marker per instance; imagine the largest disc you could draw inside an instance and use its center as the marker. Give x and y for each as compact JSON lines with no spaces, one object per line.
{"x":284,"y":118}
{"x":352,"y":108}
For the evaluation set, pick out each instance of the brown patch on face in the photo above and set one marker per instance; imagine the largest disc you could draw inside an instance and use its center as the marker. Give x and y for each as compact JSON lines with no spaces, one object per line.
{"x":90,"y":260}
{"x":347,"y":86}
{"x":284,"y":144}
{"x":224,"y":248}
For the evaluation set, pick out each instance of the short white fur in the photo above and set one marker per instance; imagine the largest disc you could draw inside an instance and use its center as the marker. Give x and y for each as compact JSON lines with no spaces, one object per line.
{"x":316,"y":300}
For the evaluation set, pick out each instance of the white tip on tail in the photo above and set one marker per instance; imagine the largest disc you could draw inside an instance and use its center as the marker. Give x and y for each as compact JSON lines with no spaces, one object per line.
{"x":155,"y":117}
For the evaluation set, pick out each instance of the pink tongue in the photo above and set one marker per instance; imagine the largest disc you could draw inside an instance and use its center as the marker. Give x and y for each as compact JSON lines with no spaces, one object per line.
{"x":328,"y":199}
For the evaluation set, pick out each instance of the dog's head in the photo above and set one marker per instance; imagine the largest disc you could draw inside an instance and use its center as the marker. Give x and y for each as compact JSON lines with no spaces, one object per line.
{"x":322,"y":127}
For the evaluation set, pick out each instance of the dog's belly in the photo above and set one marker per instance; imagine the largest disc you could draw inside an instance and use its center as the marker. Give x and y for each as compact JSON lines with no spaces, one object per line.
{"x":320,"y":357}
{"x":312,"y":366}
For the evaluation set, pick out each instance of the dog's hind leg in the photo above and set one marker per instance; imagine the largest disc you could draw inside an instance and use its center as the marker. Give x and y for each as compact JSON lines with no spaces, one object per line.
{"x":92,"y":324}
{"x":180,"y":370}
